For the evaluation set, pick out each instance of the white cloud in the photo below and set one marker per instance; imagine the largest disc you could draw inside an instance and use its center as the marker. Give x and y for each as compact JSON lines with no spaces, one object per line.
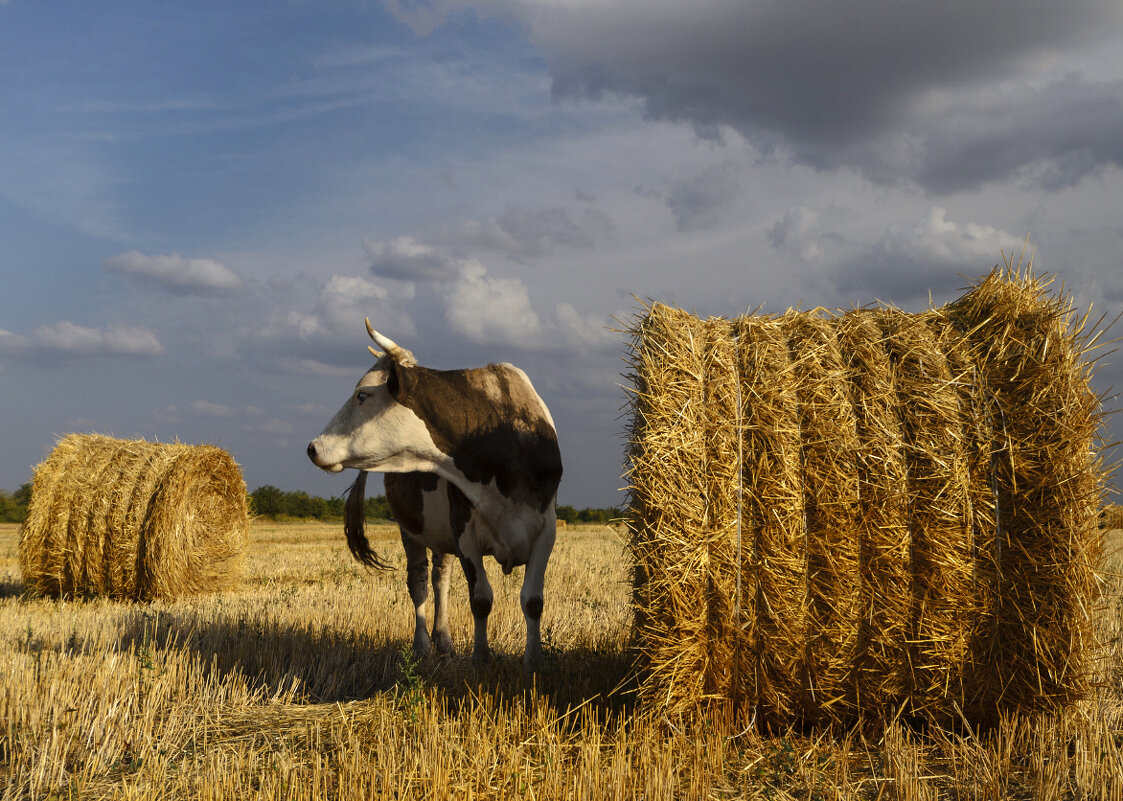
{"x":406,"y":259}
{"x":491,"y":310}
{"x":524,"y":232}
{"x":175,"y":274}
{"x":938,"y":239}
{"x":315,"y":409}
{"x":273,"y":425}
{"x":65,"y":339}
{"x":933,"y":256}
{"x":342,"y":302}
{"x":583,"y":330}
{"x":207,"y":409}
{"x":316,"y":367}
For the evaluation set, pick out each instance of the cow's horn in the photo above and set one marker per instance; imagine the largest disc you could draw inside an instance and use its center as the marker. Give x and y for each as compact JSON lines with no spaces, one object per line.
{"x":394,"y":350}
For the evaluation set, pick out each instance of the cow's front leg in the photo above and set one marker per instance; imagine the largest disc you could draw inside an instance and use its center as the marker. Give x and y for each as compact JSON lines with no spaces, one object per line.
{"x":479,"y":591}
{"x":531,"y":595}
{"x":442,"y":569}
{"x":417,"y":578}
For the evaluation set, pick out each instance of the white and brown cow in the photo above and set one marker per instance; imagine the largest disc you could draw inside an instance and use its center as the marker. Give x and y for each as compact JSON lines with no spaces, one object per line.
{"x":476,"y":469}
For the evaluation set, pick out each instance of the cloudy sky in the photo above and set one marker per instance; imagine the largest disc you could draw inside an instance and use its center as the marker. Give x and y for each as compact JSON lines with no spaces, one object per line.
{"x":200,"y":202}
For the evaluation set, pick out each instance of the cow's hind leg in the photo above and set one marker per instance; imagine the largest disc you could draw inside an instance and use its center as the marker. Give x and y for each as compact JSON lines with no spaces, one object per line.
{"x":530,"y":597}
{"x":417,"y":578}
{"x":479,"y":591}
{"x":442,"y":570}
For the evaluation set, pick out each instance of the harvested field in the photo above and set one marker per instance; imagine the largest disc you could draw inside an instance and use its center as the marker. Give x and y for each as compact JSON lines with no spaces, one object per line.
{"x":296,"y":687}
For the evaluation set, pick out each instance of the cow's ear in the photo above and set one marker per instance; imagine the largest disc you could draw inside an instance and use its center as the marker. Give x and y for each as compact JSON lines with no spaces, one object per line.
{"x":400,"y":381}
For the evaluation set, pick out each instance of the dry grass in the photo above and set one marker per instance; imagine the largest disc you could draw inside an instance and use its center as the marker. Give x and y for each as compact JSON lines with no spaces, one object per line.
{"x":296,"y":687}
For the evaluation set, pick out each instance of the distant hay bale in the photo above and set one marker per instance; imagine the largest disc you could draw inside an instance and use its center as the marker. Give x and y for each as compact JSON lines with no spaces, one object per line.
{"x":133,"y":520}
{"x":870,"y":513}
{"x":1111,"y":516}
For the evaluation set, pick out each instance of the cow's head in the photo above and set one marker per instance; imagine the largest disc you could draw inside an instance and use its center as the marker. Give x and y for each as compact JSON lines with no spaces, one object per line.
{"x":373,"y":430}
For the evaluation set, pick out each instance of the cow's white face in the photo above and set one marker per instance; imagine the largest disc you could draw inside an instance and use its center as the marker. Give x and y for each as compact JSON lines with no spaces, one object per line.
{"x":374,"y":432}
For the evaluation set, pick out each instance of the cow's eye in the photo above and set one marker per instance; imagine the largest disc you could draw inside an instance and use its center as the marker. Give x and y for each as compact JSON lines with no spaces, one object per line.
{"x":360,"y":397}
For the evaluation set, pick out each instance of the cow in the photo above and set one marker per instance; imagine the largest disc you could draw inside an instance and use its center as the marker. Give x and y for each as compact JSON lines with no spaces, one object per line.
{"x":474,"y":468}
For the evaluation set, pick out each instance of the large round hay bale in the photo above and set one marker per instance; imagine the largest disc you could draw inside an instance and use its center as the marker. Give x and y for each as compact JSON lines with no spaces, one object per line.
{"x":133,"y":519}
{"x":867,"y":514}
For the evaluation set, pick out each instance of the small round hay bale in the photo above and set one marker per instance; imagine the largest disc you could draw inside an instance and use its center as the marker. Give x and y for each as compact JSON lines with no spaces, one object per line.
{"x":134,"y":520}
{"x":1111,"y":516}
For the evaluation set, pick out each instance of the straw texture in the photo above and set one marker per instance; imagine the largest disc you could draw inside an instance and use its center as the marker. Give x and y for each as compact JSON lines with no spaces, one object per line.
{"x":133,"y":520}
{"x":866,"y":514}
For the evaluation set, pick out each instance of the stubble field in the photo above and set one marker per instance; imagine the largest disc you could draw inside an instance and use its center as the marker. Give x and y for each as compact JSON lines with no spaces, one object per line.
{"x":298,"y":685}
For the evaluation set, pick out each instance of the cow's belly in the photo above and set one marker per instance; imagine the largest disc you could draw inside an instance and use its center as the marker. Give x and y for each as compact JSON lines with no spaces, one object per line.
{"x":437,"y":538}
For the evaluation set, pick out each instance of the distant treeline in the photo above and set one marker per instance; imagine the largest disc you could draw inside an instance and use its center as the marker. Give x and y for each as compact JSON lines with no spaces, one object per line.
{"x":268,"y":501}
{"x":13,"y":506}
{"x":606,"y":515}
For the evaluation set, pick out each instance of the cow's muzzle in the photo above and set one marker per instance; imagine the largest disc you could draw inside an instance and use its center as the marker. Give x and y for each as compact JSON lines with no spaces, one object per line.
{"x":314,"y":455}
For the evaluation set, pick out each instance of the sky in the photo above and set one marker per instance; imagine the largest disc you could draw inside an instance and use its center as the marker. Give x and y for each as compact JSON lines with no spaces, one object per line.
{"x":199,"y":203}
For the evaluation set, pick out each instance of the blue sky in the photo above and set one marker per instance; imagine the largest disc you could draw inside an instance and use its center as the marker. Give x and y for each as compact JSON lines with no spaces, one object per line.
{"x":199,"y":203}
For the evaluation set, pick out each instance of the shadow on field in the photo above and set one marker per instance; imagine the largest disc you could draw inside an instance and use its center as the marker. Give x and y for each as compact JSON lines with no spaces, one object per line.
{"x":11,"y":587}
{"x":326,"y":666}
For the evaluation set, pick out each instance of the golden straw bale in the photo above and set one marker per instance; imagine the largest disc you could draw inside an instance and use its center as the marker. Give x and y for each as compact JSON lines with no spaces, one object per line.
{"x":883,"y":534}
{"x":721,"y":464}
{"x":134,"y":520}
{"x":1047,"y":485}
{"x":829,"y":442}
{"x":775,"y":603}
{"x":941,"y":563}
{"x":866,"y":514}
{"x":1111,"y":516}
{"x":669,"y":443}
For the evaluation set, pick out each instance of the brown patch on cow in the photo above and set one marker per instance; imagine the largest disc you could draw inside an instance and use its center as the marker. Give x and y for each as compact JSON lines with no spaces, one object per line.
{"x":404,"y":493}
{"x":459,"y":512}
{"x":492,"y":424}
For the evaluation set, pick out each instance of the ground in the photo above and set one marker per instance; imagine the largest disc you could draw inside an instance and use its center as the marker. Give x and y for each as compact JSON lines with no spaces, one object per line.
{"x":298,"y":684}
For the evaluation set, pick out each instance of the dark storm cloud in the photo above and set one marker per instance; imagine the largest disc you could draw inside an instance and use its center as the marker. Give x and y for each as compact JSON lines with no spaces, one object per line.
{"x":698,"y":201}
{"x":904,"y":280}
{"x":1057,"y":135}
{"x":836,"y":84}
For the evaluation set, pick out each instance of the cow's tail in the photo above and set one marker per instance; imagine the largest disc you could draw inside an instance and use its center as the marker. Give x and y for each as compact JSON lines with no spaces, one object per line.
{"x":354,"y":525}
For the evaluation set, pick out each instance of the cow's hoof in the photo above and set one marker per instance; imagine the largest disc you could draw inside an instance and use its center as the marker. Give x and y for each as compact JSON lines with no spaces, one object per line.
{"x":481,"y":657}
{"x":532,"y":663}
{"x":443,"y":644}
